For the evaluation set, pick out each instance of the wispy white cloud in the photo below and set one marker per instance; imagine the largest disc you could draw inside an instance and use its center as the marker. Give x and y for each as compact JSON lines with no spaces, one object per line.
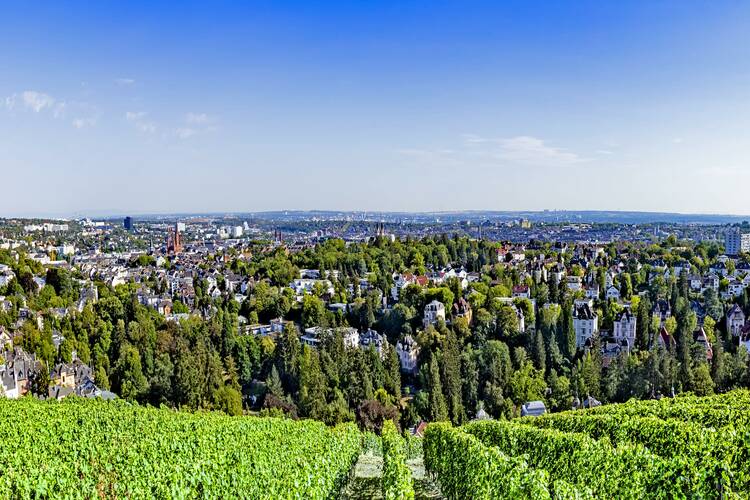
{"x":124,"y":81}
{"x":37,"y":101}
{"x":524,"y":149}
{"x":32,"y":100}
{"x":86,"y":122}
{"x":133,"y":116}
{"x":139,"y":121}
{"x":146,"y":127}
{"x":59,"y":109}
{"x":185,"y":132}
{"x":83,"y":115}
{"x":197,"y":118}
{"x":195,"y":124}
{"x":10,"y":101}
{"x":518,"y":150}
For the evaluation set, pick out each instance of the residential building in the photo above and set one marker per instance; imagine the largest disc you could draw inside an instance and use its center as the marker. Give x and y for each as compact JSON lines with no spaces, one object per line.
{"x":371,"y":338}
{"x":573,"y":283}
{"x":735,"y":321}
{"x":351,"y":337}
{"x":701,"y":339}
{"x":736,"y":242}
{"x":665,"y":340}
{"x":735,"y":288}
{"x":521,"y":292}
{"x":462,"y":309}
{"x":625,"y":327}
{"x":585,"y":323}
{"x":613,"y":293}
{"x":433,"y":312}
{"x":313,"y":335}
{"x":662,"y":310}
{"x":592,"y":291}
{"x":408,"y":354}
{"x":533,"y":409}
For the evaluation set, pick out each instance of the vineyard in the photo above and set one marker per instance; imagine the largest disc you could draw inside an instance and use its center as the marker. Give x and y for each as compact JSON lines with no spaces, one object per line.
{"x":687,"y":447}
{"x":89,"y":449}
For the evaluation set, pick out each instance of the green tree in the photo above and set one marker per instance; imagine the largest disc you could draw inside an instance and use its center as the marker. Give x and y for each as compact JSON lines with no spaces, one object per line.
{"x":470,"y":380}
{"x":273,"y":383}
{"x":591,"y":373}
{"x":559,"y":398}
{"x":539,"y":353}
{"x":702,"y":384}
{"x":313,"y":312}
{"x":643,"y":332}
{"x":527,"y":384}
{"x":438,"y":410}
{"x":392,"y":371}
{"x":229,"y":400}
{"x":451,"y":371}
{"x":289,"y":351}
{"x":40,"y":382}
{"x":312,"y":386}
{"x":131,"y":383}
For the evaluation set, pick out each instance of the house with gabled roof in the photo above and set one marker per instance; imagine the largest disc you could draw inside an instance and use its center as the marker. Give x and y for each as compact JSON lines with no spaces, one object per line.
{"x":665,"y":339}
{"x":735,"y":320}
{"x":585,"y":323}
{"x":699,"y":335}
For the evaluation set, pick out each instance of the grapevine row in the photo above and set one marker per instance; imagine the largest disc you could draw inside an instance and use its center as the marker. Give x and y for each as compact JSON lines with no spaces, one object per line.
{"x":87,"y":449}
{"x":397,"y":480}
{"x":627,"y":471}
{"x":466,"y":468}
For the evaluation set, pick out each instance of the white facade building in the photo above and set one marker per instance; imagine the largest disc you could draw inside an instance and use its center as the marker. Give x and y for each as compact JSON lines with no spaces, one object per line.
{"x":735,"y":321}
{"x":625,"y":327}
{"x":433,"y":312}
{"x":351,"y":337}
{"x":408,"y":354}
{"x":585,"y":323}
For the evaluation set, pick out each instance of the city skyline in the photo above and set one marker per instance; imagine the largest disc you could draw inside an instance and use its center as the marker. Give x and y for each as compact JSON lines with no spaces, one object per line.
{"x":162,"y":108}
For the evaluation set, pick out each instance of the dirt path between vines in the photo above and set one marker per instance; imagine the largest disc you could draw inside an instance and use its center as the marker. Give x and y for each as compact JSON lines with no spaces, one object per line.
{"x":366,"y":480}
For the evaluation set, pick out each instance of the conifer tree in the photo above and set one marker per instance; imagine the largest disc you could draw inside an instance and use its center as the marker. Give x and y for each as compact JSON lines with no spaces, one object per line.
{"x":451,"y":371}
{"x":392,"y":372}
{"x":470,"y":380}
{"x":438,"y":410}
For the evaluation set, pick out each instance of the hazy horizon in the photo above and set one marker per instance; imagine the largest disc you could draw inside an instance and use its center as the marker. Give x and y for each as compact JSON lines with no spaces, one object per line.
{"x":108,"y":215}
{"x":396,"y":106}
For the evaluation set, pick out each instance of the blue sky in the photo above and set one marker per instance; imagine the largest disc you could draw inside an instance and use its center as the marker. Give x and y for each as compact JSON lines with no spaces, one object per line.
{"x":247,"y":106}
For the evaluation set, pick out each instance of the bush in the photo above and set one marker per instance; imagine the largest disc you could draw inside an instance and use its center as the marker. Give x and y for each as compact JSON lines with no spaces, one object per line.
{"x":228,"y":400}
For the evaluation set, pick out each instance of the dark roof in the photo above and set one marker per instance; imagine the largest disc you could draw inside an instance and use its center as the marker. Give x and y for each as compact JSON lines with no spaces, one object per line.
{"x":662,"y":306}
{"x":583,"y":311}
{"x":626,"y":314}
{"x":735,"y":309}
